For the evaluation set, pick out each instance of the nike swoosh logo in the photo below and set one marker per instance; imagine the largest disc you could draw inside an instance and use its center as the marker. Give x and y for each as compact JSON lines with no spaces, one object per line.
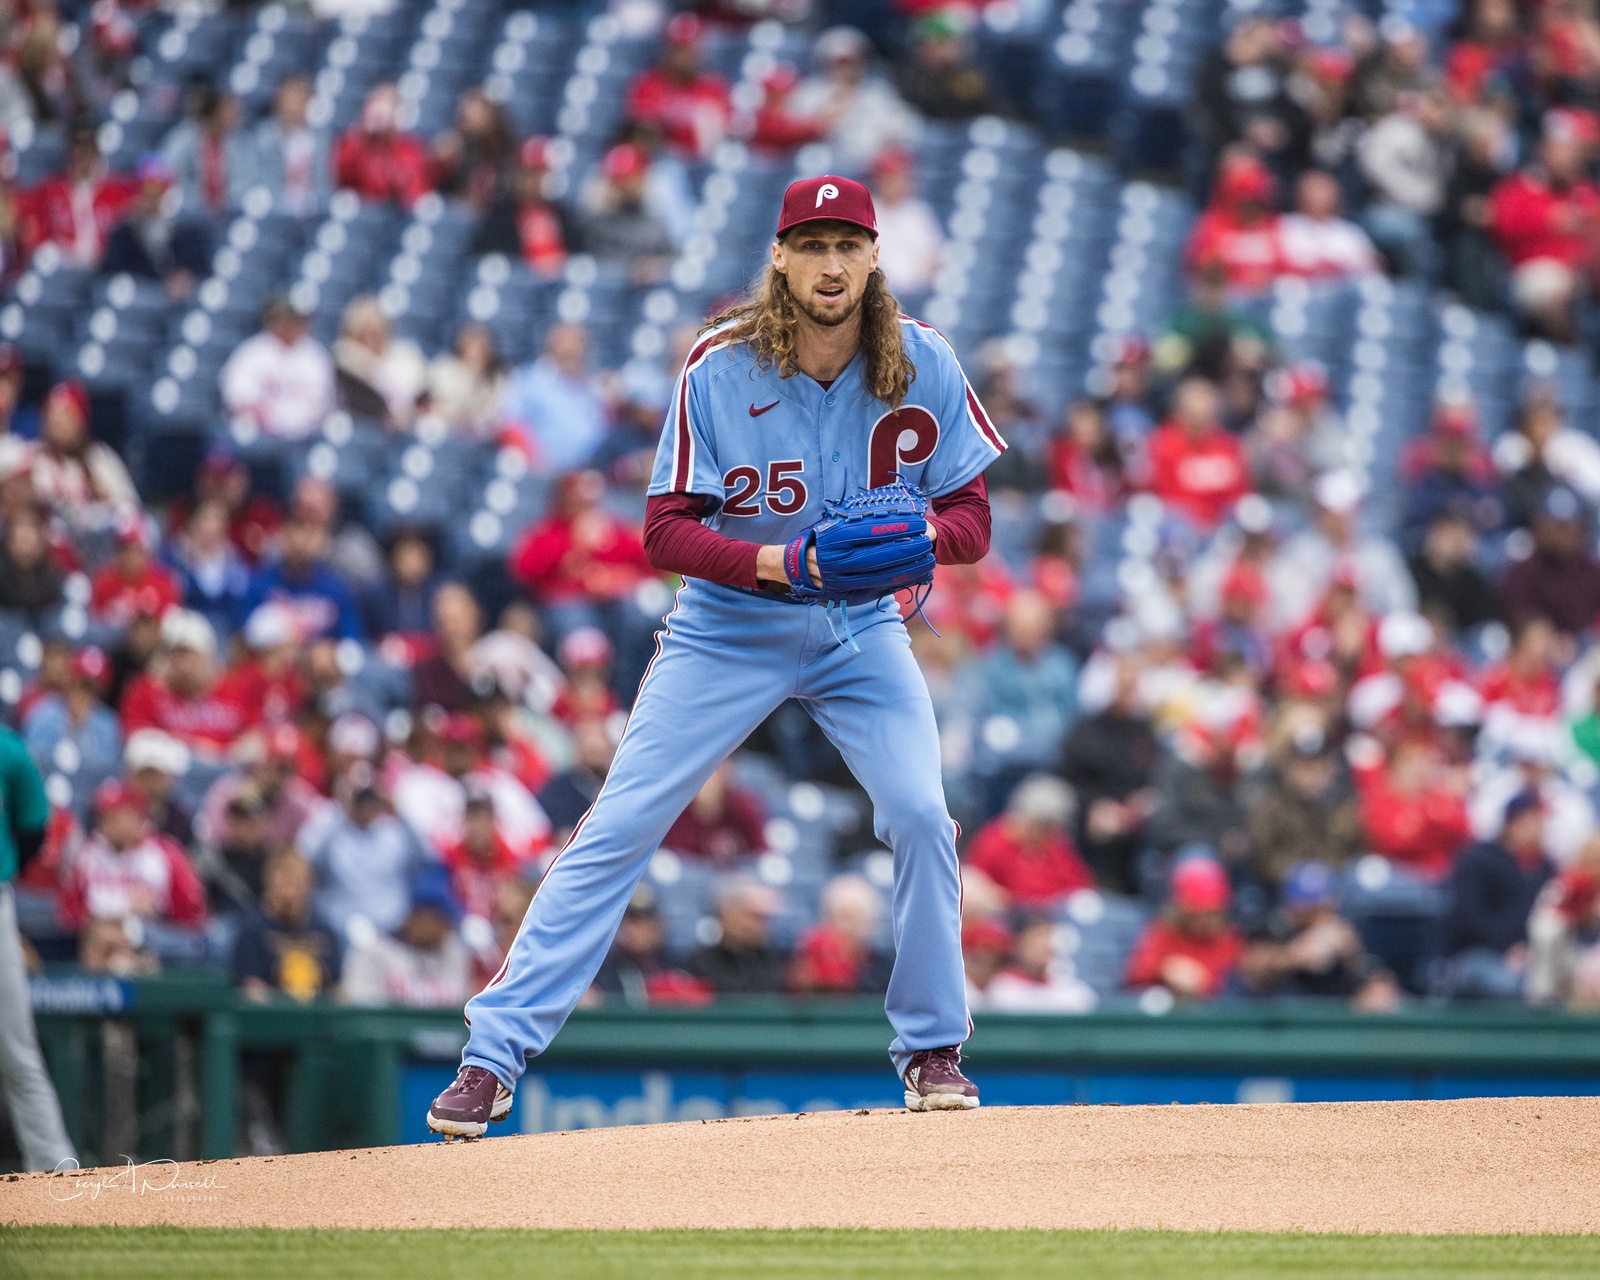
{"x":756,"y":413}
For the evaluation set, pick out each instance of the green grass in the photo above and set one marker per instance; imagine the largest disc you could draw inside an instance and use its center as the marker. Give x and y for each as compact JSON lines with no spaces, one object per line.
{"x":121,"y":1253}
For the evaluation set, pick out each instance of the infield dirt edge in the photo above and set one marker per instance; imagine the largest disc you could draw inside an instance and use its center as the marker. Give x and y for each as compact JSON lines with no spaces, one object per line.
{"x":1475,"y":1166}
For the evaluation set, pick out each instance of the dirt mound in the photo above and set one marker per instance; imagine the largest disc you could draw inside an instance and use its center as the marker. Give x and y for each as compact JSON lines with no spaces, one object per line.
{"x":1481,"y":1165}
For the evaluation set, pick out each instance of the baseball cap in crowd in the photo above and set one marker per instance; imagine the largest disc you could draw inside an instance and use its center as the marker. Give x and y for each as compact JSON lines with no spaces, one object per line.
{"x":1199,"y":884}
{"x":986,"y":935}
{"x":585,"y":647}
{"x":114,"y":793}
{"x":1457,"y":705}
{"x":1308,"y":884}
{"x":891,"y":160}
{"x":840,"y":44}
{"x":155,"y":749}
{"x":683,"y":28}
{"x":155,"y":167}
{"x":353,"y":734}
{"x":284,"y":742}
{"x":68,"y":394}
{"x":1455,"y":419}
{"x":431,"y":891}
{"x":624,"y":161}
{"x":460,"y":730}
{"x":1404,"y":635}
{"x":1528,"y":800}
{"x":90,"y":665}
{"x":1310,"y":678}
{"x":1339,"y":492}
{"x":829,"y":198}
{"x":271,"y":626}
{"x":1130,"y":349}
{"x":534,"y":153}
{"x":1303,"y":383}
{"x":1244,"y":581}
{"x":186,"y":629}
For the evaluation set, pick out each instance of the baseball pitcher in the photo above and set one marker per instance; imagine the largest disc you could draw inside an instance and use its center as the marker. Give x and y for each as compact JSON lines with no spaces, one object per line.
{"x":820,"y":452}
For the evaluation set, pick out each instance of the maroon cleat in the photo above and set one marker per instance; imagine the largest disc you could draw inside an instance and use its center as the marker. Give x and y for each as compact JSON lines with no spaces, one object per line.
{"x":934,"y":1082}
{"x":465,"y":1109}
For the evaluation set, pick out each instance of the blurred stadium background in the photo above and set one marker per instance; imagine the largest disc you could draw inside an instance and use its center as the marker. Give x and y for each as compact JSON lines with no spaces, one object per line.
{"x":337,"y":339}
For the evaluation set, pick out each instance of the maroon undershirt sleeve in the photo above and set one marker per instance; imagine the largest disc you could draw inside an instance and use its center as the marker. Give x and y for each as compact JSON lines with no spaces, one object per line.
{"x":963,"y":519}
{"x":676,"y":541}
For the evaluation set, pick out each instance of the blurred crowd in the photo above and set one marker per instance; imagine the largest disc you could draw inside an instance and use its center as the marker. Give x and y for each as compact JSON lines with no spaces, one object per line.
{"x":1328,"y":746}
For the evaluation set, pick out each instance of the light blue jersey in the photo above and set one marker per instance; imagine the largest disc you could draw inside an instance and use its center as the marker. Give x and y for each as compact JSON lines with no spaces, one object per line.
{"x":767,"y":451}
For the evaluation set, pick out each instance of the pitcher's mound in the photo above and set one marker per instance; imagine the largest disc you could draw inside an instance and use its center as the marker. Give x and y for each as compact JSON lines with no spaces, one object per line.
{"x":1481,"y":1165}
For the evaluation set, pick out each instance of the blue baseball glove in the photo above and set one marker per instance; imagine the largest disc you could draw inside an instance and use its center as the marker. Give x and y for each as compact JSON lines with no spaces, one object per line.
{"x":870,"y":545}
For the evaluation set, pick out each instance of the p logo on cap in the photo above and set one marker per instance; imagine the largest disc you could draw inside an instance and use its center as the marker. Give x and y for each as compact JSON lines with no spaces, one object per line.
{"x":847,"y":201}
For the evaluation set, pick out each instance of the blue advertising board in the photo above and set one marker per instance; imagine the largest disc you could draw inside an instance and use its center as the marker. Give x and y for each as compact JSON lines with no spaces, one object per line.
{"x":548,"y":1101}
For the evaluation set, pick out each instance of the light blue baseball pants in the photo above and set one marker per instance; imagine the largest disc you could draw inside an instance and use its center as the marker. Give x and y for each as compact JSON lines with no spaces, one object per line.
{"x":725,"y":661}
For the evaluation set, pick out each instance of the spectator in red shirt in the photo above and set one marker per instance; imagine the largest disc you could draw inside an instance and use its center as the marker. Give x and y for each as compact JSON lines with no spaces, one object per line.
{"x":481,"y":863}
{"x":580,"y":552}
{"x":778,"y":127}
{"x":1195,"y":465}
{"x":184,"y":694}
{"x":1027,"y":852}
{"x":585,"y":655}
{"x":838,"y":953}
{"x":1239,"y":229}
{"x":268,"y":673}
{"x":523,"y":222}
{"x":125,"y":871}
{"x":76,"y":210}
{"x":723,"y":823}
{"x":133,"y":583}
{"x":1492,"y":46}
{"x":1545,"y":220}
{"x":1528,"y":682}
{"x":378,"y":162}
{"x":1412,"y":813}
{"x":1191,"y":949}
{"x":253,"y":518}
{"x":689,"y":105}
{"x":1085,"y":460}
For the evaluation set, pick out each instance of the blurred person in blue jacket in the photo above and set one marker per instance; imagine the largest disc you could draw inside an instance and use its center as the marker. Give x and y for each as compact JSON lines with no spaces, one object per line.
{"x":1027,"y":696}
{"x":555,"y":404}
{"x":74,"y":731}
{"x":302,"y":578}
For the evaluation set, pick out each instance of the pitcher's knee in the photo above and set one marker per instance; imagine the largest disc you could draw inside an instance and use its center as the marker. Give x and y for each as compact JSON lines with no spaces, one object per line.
{"x":917,"y":823}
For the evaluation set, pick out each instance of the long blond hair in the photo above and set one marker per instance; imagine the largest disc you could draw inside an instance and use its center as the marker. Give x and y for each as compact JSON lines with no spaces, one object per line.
{"x":767,"y":321}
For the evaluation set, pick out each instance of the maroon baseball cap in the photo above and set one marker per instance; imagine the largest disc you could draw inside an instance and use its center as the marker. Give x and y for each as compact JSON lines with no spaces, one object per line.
{"x":829,"y":198}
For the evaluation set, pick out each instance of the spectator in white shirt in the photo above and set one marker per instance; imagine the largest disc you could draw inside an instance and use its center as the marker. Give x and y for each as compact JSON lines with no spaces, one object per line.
{"x":282,"y":378}
{"x":1316,"y":241}
{"x":861,"y":113}
{"x":424,"y":964}
{"x":910,"y":240}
